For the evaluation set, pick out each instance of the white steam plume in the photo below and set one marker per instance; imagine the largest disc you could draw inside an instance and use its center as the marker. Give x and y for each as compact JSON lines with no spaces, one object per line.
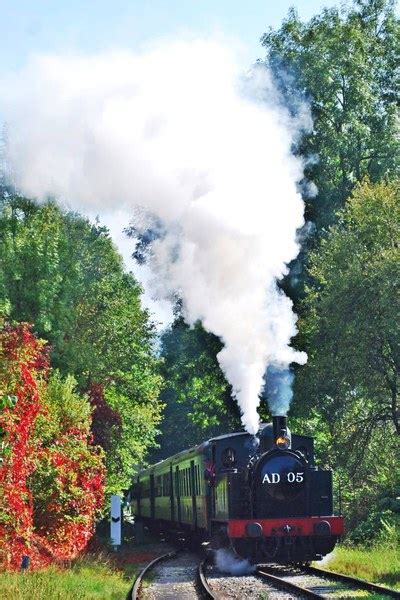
{"x":179,"y":133}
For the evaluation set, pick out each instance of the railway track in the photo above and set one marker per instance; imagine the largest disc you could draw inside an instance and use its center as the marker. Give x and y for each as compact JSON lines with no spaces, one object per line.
{"x":186,"y":576}
{"x":360,"y":583}
{"x":204,"y":586}
{"x":133,"y":593}
{"x":182,"y":577}
{"x":312,"y":582}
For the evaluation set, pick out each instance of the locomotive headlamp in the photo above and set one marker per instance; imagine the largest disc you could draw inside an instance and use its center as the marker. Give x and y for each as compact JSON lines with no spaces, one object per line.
{"x":282,"y":442}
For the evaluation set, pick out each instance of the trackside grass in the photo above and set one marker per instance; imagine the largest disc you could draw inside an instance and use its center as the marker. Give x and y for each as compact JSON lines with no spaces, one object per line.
{"x":91,"y":578}
{"x":378,"y":564}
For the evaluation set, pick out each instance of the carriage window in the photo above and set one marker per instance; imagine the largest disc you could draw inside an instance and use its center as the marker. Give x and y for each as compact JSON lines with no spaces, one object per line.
{"x":145,"y":488}
{"x":166,"y":485}
{"x":158,"y":486}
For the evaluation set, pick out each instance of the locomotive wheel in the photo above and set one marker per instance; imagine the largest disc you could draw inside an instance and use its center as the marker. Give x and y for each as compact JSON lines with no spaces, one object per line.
{"x":245,"y":550}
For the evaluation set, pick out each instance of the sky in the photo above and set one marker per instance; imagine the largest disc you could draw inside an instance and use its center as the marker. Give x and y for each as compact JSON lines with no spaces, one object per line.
{"x":75,"y":26}
{"x":71,"y":27}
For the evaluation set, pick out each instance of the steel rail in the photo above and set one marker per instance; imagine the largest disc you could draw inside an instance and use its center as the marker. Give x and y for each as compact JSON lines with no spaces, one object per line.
{"x":133,"y":593}
{"x":361,"y":583}
{"x":205,"y":589}
{"x":287,"y":585}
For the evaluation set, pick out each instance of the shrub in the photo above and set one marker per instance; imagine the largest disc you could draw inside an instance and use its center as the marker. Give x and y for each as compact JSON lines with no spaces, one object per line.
{"x":51,"y":477}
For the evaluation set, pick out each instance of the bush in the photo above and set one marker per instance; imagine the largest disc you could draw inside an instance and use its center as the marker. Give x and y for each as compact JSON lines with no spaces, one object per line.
{"x":51,"y":477}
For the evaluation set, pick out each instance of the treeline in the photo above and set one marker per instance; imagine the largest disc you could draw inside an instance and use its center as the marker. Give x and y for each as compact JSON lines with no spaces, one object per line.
{"x":345,"y":283}
{"x":101,"y":384}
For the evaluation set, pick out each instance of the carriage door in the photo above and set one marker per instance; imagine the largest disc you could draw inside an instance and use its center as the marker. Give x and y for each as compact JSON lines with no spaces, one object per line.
{"x":213,"y":482}
{"x":171,"y":493}
{"x":152,"y":499}
{"x":193,"y":486}
{"x":178,"y":494}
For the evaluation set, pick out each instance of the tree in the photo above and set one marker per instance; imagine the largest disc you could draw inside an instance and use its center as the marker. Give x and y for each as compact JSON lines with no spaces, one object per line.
{"x":350,"y":329}
{"x":344,"y":64}
{"x":67,"y":484}
{"x":125,"y":427}
{"x":51,"y":477}
{"x":64,"y":274}
{"x":352,"y":312}
{"x":22,"y":359}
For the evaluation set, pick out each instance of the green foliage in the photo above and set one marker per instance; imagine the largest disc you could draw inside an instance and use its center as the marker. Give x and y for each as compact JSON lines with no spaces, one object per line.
{"x":380,"y":525}
{"x":67,"y":481}
{"x":197,"y":397}
{"x":64,"y":274}
{"x":138,"y":434}
{"x":379,"y":563}
{"x":351,"y":327}
{"x":29,"y":262}
{"x":63,"y":408}
{"x":351,"y":332}
{"x":91,"y":578}
{"x":344,"y":62}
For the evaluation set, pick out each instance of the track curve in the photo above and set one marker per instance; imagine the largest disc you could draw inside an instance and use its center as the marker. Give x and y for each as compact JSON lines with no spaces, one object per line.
{"x":203,"y":583}
{"x":313,"y":582}
{"x":361,"y":583}
{"x":289,"y":586}
{"x":299,"y":582}
{"x":133,"y":593}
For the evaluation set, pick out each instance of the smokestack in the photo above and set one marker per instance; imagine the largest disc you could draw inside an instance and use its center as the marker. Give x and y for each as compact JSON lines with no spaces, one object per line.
{"x":281,"y":434}
{"x":275,"y":435}
{"x":279,"y":425}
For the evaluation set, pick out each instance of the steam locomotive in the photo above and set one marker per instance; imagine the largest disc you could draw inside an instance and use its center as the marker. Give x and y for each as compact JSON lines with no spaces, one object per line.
{"x":262,"y":496}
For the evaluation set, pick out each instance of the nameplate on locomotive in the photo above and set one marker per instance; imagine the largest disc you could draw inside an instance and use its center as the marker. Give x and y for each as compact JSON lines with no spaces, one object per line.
{"x":286,"y":477}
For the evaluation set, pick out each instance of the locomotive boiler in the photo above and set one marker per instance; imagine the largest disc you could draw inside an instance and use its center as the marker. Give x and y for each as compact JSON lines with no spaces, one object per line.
{"x":262,"y":496}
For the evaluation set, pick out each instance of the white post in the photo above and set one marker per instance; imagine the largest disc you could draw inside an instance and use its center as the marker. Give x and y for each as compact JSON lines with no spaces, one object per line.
{"x":115,"y":524}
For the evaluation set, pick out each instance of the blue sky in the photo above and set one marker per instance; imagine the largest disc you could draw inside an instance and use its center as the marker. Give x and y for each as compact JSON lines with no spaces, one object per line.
{"x":60,"y":26}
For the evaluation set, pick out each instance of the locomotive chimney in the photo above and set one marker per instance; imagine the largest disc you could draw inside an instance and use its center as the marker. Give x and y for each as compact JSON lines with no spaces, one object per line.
{"x":275,"y":435}
{"x":281,"y":434}
{"x":279,"y":426}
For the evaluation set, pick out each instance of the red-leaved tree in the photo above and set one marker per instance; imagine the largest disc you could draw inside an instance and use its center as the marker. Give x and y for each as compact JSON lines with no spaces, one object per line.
{"x":51,"y":477}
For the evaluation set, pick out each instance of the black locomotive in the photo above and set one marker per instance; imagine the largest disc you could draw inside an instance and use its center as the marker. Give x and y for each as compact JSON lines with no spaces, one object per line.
{"x":261,"y":495}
